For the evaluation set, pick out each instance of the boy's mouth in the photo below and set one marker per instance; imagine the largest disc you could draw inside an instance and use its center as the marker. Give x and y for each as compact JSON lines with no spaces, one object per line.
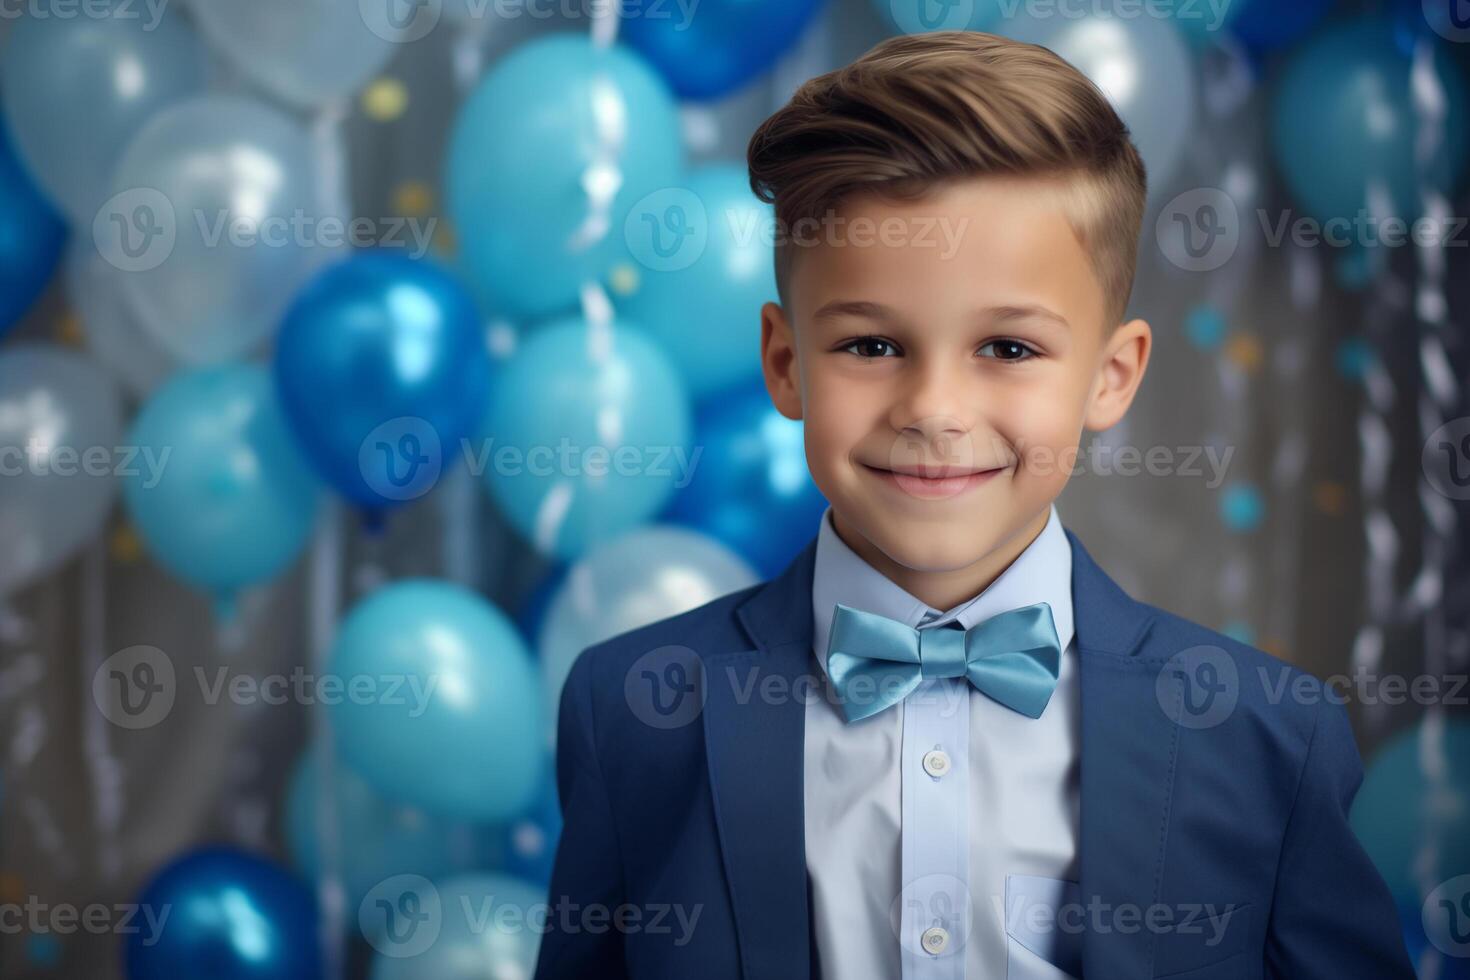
{"x":933,"y":482}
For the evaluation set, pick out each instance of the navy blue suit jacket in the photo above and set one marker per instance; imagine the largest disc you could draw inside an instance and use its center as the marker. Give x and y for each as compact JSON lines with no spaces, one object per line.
{"x":1213,"y":780}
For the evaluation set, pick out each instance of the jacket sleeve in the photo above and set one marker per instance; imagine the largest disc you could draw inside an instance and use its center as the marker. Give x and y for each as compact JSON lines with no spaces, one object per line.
{"x":587,"y":870}
{"x":1332,"y":915}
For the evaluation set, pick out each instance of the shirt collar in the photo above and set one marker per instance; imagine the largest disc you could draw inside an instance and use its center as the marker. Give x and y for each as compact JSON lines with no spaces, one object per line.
{"x":1040,"y":573}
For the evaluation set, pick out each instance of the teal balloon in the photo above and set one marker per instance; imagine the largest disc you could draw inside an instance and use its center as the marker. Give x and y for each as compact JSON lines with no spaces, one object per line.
{"x":232,"y":501}
{"x":1396,"y":803}
{"x":922,"y":16}
{"x":521,"y":150}
{"x":375,"y":838}
{"x":586,"y":439}
{"x":77,"y":89}
{"x":1343,"y":121}
{"x":489,"y":928}
{"x":709,"y":238}
{"x":457,"y":729}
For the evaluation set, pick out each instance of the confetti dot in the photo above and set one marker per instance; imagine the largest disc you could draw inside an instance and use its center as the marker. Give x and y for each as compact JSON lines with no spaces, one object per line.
{"x":124,"y":545}
{"x":1275,"y":647}
{"x":12,"y":888}
{"x":623,"y":279}
{"x":385,"y":99}
{"x":1241,"y":507}
{"x":43,"y":950}
{"x":1330,"y":497}
{"x":1239,"y":629}
{"x":69,"y":330}
{"x":1205,"y":327}
{"x":446,"y":242}
{"x":413,"y":198}
{"x":1244,"y":351}
{"x":1354,"y":358}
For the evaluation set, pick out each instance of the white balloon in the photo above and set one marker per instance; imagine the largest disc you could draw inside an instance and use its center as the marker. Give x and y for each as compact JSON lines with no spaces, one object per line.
{"x":60,"y":423}
{"x":114,"y":335}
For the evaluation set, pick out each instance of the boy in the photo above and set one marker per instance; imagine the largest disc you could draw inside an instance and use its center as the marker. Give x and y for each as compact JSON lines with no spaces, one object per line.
{"x":943,"y":743}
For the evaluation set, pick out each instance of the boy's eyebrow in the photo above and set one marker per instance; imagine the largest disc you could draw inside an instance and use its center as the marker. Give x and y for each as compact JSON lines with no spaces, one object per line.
{"x":989,"y":314}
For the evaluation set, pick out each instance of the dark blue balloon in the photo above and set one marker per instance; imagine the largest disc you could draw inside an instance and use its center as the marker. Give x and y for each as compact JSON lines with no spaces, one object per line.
{"x":722,"y":45}
{"x":382,"y":370}
{"x":32,"y":234}
{"x":1268,"y":24}
{"x":751,"y":489}
{"x":231,"y":916}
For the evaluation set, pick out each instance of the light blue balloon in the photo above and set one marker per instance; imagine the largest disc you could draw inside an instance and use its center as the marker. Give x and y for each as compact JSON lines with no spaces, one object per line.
{"x":585,"y":440}
{"x":710,"y":238}
{"x":376,"y":838}
{"x":114,"y":335}
{"x":77,"y":89}
{"x":232,"y":501}
{"x":521,"y":150}
{"x":1344,"y":119}
{"x":489,"y":928}
{"x":457,"y":728}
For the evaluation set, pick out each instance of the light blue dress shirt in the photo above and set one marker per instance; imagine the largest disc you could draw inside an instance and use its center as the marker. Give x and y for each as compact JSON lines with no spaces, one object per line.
{"x":933,"y":826}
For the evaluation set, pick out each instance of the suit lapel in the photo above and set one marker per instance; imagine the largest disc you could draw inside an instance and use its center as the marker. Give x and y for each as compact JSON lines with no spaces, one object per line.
{"x":1127,"y":768}
{"x":754,"y":746}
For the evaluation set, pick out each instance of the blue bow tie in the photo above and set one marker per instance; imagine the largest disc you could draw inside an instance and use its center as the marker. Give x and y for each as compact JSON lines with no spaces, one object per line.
{"x":875,"y":662}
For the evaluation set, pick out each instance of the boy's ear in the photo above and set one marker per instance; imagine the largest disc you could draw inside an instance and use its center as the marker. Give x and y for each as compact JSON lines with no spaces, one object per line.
{"x":1124,"y":360}
{"x":778,"y":361}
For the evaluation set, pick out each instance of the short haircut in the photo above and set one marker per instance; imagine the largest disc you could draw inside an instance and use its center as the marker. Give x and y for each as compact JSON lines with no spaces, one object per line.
{"x":922,"y":109}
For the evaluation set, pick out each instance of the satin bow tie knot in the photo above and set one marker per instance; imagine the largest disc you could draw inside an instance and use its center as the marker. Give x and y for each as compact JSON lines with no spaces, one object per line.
{"x":875,"y":662}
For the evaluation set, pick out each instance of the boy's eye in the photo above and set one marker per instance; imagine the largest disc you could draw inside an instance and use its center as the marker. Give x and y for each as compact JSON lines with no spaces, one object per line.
{"x":1010,"y":350}
{"x":868,"y":345}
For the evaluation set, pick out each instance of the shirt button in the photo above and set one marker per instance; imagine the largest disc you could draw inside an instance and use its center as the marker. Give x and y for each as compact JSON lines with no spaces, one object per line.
{"x":934,"y":940}
{"x":936,"y":762}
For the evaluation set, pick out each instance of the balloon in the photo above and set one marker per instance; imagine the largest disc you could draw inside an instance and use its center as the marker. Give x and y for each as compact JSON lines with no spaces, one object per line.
{"x":530,"y":839}
{"x":488,"y":928}
{"x":1267,"y":24}
{"x":1344,"y":124}
{"x":77,"y":89}
{"x":751,"y":490}
{"x":60,"y":429}
{"x":1142,"y":65}
{"x":231,"y":502}
{"x":922,"y":16}
{"x":231,"y":916}
{"x":382,"y":368}
{"x":586,"y":438}
{"x":375,"y":838}
{"x":94,"y":288}
{"x":307,"y":52}
{"x":638,"y":578}
{"x":725,"y":258}
{"x":521,"y":168}
{"x":1394,"y":806}
{"x":456,"y":728}
{"x":31,"y":237}
{"x":720,"y":45}
{"x":215,"y":223}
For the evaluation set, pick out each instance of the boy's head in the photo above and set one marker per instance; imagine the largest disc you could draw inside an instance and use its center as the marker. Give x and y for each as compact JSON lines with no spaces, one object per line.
{"x":959,"y":217}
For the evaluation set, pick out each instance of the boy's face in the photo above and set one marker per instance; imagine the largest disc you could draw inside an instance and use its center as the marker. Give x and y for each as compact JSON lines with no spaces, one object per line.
{"x":984,"y":354}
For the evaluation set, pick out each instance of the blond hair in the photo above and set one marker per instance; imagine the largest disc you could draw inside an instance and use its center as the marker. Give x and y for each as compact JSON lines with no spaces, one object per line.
{"x":917,"y":110}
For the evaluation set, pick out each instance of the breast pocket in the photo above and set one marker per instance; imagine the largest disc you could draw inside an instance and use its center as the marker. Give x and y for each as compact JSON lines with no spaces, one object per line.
{"x":1043,"y":941}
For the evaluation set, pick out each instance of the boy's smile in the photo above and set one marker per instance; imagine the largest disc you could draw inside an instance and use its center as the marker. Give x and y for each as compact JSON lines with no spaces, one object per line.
{"x":944,"y":395}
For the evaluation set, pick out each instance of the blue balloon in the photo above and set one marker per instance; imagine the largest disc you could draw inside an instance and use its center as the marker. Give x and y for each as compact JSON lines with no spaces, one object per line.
{"x":219,"y":491}
{"x":32,"y":235}
{"x":231,"y":916}
{"x":540,"y":131}
{"x":710,"y":238}
{"x":457,"y":728}
{"x":382,"y":370}
{"x":1344,"y":119}
{"x":752,"y":490}
{"x":588,"y":441}
{"x":489,"y":927}
{"x":1267,"y":24}
{"x":722,"y":45}
{"x":529,"y":845}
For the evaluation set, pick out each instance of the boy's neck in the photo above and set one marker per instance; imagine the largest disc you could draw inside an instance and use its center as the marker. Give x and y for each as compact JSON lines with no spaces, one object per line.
{"x":944,"y":590}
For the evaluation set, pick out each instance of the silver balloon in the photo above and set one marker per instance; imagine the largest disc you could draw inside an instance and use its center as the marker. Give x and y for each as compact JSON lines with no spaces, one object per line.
{"x":1142,"y":64}
{"x":216,"y":221}
{"x":307,"y":52}
{"x":60,"y":422}
{"x":114,"y":335}
{"x":77,"y":89}
{"x":637,"y":578}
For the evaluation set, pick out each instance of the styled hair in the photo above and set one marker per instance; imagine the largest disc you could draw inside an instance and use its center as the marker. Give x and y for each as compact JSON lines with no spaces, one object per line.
{"x":921,"y":109}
